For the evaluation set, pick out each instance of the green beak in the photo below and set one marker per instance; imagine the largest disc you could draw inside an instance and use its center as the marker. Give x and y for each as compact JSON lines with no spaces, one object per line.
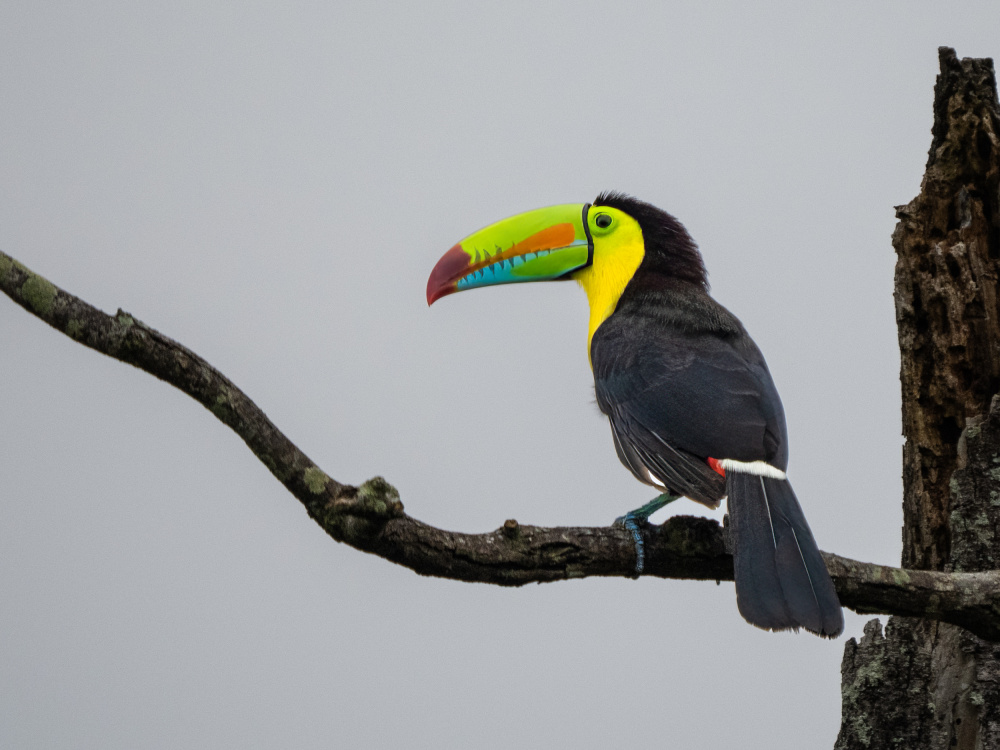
{"x":540,"y":245}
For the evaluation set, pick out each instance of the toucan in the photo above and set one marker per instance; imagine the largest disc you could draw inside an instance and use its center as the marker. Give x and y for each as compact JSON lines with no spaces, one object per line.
{"x":693,"y":409}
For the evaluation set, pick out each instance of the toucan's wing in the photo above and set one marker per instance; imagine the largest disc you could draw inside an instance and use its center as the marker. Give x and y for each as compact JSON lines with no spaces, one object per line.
{"x":676,"y":398}
{"x":657,"y":462}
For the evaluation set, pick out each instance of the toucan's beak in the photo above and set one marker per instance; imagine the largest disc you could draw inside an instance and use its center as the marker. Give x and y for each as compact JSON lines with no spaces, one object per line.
{"x":539,"y":245}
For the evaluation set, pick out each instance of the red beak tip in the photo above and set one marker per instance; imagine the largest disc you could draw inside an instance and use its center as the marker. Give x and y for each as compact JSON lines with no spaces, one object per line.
{"x":434,"y":294}
{"x":445,"y":274}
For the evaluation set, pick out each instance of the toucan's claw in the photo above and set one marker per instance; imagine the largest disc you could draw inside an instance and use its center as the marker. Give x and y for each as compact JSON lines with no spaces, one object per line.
{"x":631,"y":522}
{"x":633,"y":518}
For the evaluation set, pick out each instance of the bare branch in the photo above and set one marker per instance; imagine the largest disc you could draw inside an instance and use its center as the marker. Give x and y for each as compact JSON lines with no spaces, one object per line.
{"x":371,"y":518}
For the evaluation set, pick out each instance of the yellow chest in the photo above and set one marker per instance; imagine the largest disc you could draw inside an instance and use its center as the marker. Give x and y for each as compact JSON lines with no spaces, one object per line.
{"x":605,"y":279}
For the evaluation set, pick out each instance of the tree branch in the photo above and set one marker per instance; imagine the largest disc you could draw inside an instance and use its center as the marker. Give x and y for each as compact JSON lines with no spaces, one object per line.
{"x":371,"y":518}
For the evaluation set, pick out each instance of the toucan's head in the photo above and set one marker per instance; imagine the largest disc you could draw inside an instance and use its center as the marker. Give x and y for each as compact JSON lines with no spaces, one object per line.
{"x":560,"y":242}
{"x":603,"y":246}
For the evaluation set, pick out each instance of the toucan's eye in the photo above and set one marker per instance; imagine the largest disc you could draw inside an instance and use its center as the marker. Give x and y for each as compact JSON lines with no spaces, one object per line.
{"x":603,"y":221}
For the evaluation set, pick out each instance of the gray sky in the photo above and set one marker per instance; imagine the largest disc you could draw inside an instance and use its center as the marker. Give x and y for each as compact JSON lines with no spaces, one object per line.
{"x":271,"y":186}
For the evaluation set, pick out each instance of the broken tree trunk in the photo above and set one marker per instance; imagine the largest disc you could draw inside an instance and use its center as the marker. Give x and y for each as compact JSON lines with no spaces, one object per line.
{"x":923,"y":683}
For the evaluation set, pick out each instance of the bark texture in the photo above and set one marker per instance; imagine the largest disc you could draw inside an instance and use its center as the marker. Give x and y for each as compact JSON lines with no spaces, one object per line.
{"x":923,"y":683}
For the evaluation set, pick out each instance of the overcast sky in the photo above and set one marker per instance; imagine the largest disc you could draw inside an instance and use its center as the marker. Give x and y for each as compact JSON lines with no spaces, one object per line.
{"x":271,"y":186}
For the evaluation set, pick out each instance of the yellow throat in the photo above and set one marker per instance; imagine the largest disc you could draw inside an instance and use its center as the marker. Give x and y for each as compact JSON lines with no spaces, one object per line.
{"x":617,"y":255}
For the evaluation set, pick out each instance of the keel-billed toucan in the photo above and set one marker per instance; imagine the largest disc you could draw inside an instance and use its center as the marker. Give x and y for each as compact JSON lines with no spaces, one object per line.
{"x":692,"y":406}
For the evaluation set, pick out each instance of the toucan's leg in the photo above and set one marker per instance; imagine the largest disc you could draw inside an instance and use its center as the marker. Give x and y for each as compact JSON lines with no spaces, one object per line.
{"x":633,"y":518}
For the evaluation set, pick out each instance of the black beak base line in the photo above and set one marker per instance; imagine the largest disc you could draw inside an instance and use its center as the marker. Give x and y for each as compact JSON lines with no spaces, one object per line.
{"x":590,"y":239}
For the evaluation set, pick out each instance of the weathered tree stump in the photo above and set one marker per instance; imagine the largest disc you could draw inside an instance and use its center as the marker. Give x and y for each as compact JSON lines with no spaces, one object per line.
{"x":923,"y":683}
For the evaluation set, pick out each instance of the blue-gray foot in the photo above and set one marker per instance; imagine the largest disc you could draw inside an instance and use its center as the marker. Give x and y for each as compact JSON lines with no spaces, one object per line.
{"x":633,"y":518}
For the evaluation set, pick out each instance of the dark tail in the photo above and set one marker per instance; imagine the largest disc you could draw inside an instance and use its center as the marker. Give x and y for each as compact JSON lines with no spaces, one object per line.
{"x":781,"y":580}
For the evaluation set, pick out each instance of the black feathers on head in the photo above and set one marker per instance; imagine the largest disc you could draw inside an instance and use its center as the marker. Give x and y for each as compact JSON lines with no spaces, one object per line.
{"x":669,"y":248}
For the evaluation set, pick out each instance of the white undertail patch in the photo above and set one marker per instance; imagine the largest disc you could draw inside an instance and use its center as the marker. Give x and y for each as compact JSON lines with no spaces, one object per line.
{"x":757,"y":468}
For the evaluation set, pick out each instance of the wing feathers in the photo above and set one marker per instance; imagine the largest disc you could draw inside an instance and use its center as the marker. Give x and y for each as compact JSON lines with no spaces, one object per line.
{"x":644,"y":452}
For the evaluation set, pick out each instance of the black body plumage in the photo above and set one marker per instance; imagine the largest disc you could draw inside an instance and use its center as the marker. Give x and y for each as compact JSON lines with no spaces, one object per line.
{"x":681,"y":381}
